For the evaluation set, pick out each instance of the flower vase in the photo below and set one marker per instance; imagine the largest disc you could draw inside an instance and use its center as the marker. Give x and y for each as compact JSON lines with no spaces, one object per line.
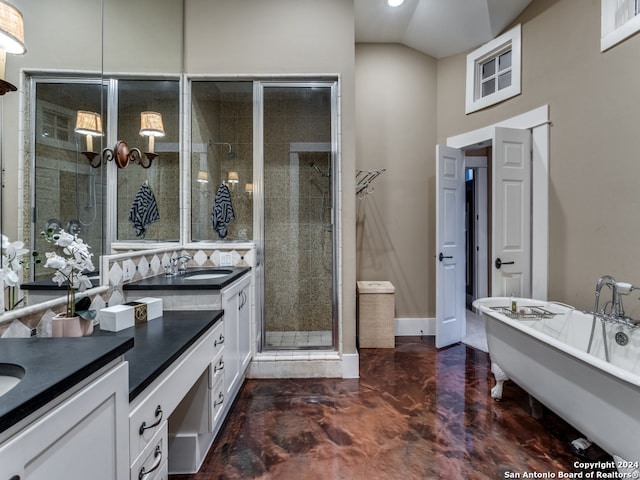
{"x":63,"y":326}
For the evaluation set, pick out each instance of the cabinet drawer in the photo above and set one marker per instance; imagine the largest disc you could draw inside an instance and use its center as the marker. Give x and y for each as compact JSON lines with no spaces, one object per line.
{"x":160,"y":399}
{"x":217,"y":404}
{"x":153,"y":460}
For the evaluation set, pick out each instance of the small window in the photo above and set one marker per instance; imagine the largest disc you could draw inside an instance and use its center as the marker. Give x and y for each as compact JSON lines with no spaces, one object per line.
{"x":55,"y":126}
{"x":493,"y":71}
{"x":620,"y":20}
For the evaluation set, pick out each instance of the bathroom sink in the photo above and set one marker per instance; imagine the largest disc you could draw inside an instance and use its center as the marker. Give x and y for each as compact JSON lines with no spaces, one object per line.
{"x":10,"y":376}
{"x":207,"y":274}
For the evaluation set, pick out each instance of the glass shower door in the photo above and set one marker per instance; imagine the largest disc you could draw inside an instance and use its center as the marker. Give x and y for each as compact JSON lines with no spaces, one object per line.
{"x":299,"y":287}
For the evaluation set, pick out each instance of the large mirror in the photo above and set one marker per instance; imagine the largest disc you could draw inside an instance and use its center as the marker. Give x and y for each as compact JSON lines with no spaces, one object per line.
{"x":77,"y":52}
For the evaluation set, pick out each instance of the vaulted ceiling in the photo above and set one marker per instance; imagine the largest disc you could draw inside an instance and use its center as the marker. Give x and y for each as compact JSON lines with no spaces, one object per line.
{"x":439,"y":28}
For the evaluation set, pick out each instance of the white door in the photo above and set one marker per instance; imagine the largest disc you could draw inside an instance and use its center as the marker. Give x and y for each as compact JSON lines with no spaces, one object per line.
{"x":511,"y":213}
{"x":450,"y":257}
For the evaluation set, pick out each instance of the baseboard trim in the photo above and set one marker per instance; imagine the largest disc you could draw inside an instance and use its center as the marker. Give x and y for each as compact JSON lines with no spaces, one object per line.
{"x":406,"y":327}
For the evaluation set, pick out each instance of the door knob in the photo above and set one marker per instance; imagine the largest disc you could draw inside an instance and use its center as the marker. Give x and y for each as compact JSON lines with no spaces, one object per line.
{"x":443,"y":256}
{"x":499,"y":263}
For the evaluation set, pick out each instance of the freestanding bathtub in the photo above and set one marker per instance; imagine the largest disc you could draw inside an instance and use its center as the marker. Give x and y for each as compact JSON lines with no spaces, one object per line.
{"x":547,"y":356}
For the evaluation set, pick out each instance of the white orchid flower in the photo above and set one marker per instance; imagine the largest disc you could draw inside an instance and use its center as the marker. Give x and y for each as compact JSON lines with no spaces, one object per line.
{"x":10,"y":277}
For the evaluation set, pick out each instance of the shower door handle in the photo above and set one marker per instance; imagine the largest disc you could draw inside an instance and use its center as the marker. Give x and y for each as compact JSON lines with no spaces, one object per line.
{"x":442,"y":256}
{"x":498,"y":263}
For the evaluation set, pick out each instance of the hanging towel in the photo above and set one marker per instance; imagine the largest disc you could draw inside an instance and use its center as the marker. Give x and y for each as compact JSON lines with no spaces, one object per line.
{"x":222,"y":211}
{"x":144,"y":210}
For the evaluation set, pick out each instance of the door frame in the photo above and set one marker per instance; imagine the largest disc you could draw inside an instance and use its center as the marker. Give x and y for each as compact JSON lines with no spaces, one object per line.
{"x":538,"y":122}
{"x":481,"y":225}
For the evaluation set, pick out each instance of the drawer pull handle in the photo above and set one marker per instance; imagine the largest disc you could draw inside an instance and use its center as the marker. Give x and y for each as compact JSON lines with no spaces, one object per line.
{"x":219,"y":402}
{"x":217,"y":368}
{"x":144,"y":426}
{"x":220,"y":341}
{"x":158,"y":455}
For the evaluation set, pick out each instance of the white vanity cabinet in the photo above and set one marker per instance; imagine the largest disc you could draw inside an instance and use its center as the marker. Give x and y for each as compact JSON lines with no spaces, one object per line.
{"x":151,"y":409}
{"x":236,"y":303}
{"x":82,"y":437}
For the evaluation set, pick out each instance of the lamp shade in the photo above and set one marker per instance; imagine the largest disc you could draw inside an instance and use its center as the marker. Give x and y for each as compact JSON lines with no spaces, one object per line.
{"x":88,"y":123}
{"x":11,"y":29}
{"x":151,"y":124}
{"x":203,"y":177}
{"x":233,"y":177}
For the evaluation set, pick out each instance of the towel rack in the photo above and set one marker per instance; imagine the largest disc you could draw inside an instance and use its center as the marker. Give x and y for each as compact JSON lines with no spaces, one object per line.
{"x":364,"y":179}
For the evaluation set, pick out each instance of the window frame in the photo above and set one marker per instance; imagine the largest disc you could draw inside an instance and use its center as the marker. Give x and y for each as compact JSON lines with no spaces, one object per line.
{"x":610,"y":35}
{"x":493,"y":49}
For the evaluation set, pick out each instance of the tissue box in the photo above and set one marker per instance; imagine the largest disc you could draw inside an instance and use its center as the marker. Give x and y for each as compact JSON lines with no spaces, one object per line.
{"x":139,"y":311}
{"x":154,"y":307}
{"x":116,"y":318}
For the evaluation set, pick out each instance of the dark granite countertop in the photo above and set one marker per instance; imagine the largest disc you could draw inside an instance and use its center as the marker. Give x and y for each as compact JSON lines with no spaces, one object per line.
{"x":160,"y":341}
{"x":180,"y":282}
{"x":52,"y":366}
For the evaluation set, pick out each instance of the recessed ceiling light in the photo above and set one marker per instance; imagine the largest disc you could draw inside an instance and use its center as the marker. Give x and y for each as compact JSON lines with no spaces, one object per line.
{"x":395,"y":3}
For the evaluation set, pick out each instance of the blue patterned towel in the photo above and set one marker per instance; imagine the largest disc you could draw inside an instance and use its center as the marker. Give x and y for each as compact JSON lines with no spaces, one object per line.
{"x":222,"y":211}
{"x":144,"y":210}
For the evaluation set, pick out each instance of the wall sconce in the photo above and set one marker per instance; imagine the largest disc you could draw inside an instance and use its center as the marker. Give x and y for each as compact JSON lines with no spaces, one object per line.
{"x":248,"y":187}
{"x":232,"y":177}
{"x":89,"y":124}
{"x":203,"y":177}
{"x":11,"y":40}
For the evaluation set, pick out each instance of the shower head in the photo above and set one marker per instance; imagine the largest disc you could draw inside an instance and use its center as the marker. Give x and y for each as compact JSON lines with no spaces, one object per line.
{"x":230,"y":154}
{"x":317,"y":169}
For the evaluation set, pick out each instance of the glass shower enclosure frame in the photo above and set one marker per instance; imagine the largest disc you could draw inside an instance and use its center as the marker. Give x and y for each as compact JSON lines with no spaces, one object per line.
{"x":296,"y":173}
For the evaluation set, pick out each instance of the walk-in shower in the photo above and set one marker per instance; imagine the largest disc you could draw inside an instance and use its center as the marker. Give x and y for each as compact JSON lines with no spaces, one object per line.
{"x":299,"y":254}
{"x":273,"y":144}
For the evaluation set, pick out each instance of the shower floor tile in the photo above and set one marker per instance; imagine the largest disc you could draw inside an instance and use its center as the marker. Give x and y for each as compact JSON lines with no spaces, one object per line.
{"x":299,"y":339}
{"x":416,"y":412}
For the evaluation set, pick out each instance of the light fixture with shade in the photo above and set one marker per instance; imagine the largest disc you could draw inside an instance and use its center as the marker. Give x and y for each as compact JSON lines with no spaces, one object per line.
{"x":11,"y":40}
{"x":232,"y":177}
{"x":248,"y":187}
{"x":202,"y":177}
{"x":89,"y":124}
{"x":151,"y":126}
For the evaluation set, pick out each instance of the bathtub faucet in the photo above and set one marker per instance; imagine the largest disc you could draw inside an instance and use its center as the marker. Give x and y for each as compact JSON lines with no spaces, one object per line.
{"x":617,"y":290}
{"x":609,"y":281}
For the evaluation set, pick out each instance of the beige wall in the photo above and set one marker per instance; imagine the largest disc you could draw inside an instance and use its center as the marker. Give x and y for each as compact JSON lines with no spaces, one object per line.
{"x":594,"y":225}
{"x":288,"y":37}
{"x":396,"y":130}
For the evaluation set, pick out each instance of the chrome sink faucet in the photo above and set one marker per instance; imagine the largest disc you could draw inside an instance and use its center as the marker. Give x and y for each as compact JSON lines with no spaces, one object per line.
{"x":173,"y":268}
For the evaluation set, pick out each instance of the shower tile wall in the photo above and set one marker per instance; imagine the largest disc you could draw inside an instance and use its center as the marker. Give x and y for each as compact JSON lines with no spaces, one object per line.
{"x":163,"y":176}
{"x":298,"y":246}
{"x":222,"y":113}
{"x":67,"y":190}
